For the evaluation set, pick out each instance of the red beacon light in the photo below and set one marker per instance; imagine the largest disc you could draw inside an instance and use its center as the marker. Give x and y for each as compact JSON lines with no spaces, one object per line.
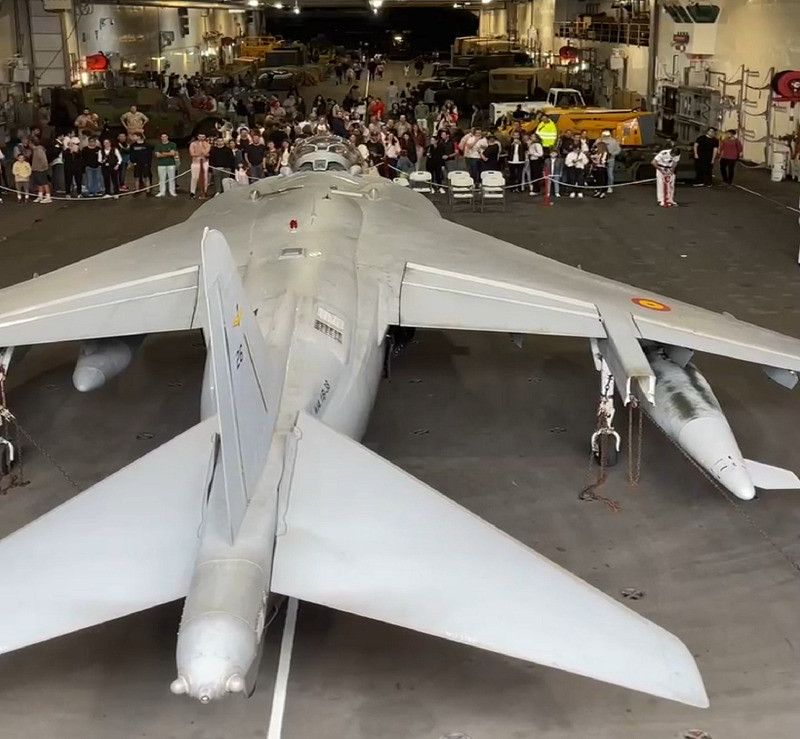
{"x":293,"y":225}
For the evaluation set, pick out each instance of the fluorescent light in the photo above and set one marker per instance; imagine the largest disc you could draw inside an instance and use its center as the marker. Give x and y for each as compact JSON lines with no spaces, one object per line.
{"x":277,"y":6}
{"x":252,"y":3}
{"x":485,"y":2}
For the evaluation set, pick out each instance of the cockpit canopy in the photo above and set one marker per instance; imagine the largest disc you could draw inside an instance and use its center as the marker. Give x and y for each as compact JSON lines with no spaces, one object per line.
{"x":324,"y":153}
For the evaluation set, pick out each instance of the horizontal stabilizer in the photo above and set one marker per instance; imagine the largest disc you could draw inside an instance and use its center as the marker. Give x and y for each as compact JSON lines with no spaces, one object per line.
{"x":362,"y":536}
{"x":767,"y":477}
{"x":125,"y":544}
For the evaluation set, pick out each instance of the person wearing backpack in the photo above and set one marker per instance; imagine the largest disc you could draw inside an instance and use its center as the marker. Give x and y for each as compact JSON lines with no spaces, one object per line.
{"x":613,"y":149}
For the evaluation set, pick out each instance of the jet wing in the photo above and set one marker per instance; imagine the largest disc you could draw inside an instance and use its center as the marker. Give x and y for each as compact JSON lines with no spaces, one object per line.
{"x":145,"y":286}
{"x":361,"y":535}
{"x":126,"y":544}
{"x":457,"y":278}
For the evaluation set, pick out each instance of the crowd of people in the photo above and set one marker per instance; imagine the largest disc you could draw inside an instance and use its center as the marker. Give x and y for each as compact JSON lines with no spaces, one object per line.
{"x":73,"y":165}
{"x":395,"y":134}
{"x":393,"y":137}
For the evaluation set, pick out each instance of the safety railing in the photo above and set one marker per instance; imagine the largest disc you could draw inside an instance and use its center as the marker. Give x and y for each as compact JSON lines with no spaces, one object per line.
{"x":633,"y":34}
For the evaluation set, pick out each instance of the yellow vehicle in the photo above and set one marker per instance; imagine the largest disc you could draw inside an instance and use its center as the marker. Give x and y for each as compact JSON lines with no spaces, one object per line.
{"x":629,"y":127}
{"x":256,"y":47}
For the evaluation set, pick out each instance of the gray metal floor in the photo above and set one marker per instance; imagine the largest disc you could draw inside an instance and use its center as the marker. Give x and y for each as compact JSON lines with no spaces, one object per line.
{"x":504,"y":432}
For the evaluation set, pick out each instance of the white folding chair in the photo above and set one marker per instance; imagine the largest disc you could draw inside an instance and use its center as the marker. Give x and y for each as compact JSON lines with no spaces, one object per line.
{"x":421,"y":181}
{"x":461,"y":188}
{"x":402,"y":181}
{"x":493,"y":188}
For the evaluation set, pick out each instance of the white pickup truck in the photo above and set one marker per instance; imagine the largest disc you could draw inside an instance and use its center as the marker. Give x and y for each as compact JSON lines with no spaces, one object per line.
{"x":557,"y":97}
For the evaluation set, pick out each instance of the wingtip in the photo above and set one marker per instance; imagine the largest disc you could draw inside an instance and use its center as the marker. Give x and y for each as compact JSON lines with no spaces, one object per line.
{"x":690,"y":688}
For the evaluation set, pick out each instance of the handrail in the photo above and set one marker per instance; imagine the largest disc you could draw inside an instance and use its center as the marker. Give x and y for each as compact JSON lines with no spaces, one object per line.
{"x":633,"y":34}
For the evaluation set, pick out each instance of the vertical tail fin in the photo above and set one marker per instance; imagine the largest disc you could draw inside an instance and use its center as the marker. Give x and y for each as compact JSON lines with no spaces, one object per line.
{"x":246,"y":402}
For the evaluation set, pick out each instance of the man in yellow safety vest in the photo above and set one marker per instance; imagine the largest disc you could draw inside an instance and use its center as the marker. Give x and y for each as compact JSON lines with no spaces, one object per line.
{"x":547,"y":131}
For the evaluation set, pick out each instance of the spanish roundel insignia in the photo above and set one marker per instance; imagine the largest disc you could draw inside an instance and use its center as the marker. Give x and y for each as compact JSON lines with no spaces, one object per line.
{"x":650,"y":304}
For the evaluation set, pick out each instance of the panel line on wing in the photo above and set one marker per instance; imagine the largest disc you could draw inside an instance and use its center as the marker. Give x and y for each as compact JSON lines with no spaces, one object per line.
{"x":119,"y":287}
{"x":500,"y":299}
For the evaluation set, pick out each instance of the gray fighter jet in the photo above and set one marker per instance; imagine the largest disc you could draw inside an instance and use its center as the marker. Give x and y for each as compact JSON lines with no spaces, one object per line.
{"x":295,"y":282}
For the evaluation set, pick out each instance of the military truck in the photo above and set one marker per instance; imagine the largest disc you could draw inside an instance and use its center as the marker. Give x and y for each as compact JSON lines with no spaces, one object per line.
{"x":178,"y":116}
{"x":503,"y":84}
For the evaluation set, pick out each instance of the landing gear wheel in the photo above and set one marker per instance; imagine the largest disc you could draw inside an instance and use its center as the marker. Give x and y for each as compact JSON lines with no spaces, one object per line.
{"x":606,"y":454}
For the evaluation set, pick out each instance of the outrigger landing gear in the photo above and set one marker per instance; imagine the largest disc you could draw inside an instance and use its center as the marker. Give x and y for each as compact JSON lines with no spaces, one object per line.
{"x":605,"y":440}
{"x":8,"y":452}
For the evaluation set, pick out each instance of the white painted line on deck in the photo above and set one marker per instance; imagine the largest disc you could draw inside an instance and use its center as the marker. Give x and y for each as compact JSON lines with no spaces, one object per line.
{"x":282,"y":678}
{"x":771,"y":200}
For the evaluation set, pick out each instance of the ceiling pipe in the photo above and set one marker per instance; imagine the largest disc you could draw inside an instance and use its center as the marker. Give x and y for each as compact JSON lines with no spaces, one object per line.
{"x":202,"y":4}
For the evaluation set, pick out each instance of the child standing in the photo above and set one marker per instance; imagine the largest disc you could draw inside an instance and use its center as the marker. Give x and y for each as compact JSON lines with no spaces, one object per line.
{"x":241,"y":175}
{"x":22,"y":177}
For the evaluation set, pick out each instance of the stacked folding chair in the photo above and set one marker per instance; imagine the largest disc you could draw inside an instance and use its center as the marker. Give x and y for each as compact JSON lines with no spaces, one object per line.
{"x":493,"y":188}
{"x":421,"y":181}
{"x":461,"y":188}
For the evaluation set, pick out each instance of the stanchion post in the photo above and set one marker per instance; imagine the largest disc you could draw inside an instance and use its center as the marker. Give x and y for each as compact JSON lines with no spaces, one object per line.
{"x":546,"y":200}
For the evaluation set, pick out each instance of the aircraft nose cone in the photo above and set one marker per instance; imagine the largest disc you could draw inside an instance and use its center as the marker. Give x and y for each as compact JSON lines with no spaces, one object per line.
{"x":736,"y":479}
{"x":86,"y":379}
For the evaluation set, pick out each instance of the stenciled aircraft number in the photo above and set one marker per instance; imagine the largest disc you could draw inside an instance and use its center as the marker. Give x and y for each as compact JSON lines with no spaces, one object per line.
{"x":323,"y":393}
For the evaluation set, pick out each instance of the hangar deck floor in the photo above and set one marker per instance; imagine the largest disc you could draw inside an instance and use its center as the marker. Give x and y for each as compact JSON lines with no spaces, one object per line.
{"x":504,"y":432}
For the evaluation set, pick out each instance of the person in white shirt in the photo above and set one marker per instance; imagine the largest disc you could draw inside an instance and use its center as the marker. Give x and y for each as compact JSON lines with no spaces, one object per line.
{"x":392,"y":94}
{"x":597,"y":170}
{"x":392,"y":148}
{"x":666,"y":162}
{"x":283,"y":161}
{"x":535,"y":163}
{"x":472,"y":146}
{"x":613,"y":148}
{"x":574,"y":169}
{"x":362,"y":149}
{"x":517,"y":153}
{"x":403,"y":126}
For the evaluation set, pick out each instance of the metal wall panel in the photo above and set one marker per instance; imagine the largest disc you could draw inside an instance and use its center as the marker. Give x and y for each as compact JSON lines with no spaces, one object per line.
{"x":47,"y":42}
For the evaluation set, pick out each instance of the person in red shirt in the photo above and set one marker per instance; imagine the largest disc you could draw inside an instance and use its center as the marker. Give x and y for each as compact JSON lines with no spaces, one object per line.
{"x":380,"y":109}
{"x":730,"y":152}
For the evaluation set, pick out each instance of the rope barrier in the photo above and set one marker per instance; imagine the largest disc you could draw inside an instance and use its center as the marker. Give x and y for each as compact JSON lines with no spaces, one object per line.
{"x":521,"y":186}
{"x":373,"y":169}
{"x":252,"y":179}
{"x":99,"y":197}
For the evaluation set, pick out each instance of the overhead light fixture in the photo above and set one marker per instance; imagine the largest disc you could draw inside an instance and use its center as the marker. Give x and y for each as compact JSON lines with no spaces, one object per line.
{"x":485,"y":2}
{"x":296,"y":9}
{"x":277,"y":6}
{"x":398,"y":39}
{"x":252,"y":3}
